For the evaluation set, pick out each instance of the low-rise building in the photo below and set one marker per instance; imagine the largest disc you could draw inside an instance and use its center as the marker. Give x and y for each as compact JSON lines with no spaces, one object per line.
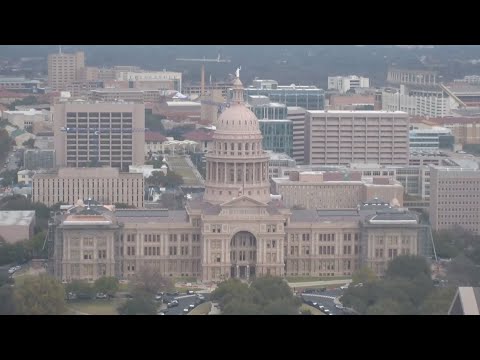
{"x":334,"y":189}
{"x":35,"y":159}
{"x":352,"y":102}
{"x":16,"y":225}
{"x":277,"y":162}
{"x":345,"y":83}
{"x":25,"y":177}
{"x":434,"y":138}
{"x":25,"y":119}
{"x":154,"y":141}
{"x":67,"y":185}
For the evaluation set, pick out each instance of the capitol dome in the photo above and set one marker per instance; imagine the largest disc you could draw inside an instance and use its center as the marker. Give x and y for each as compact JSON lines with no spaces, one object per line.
{"x":237,"y":117}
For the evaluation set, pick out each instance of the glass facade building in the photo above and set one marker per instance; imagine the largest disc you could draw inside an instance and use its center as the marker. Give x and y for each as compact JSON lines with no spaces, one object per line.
{"x":277,"y":135}
{"x":270,"y":111}
{"x":308,"y":97}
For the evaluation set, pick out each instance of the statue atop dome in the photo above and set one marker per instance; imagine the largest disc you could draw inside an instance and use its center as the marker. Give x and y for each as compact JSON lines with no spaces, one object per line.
{"x":237,"y":72}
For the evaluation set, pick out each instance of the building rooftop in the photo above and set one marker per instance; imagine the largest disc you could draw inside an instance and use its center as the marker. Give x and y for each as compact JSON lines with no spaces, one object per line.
{"x":463,"y":88}
{"x":151,"y":216}
{"x":351,"y":112}
{"x":29,"y":112}
{"x":466,"y":302}
{"x":199,"y":135}
{"x":278,"y":156}
{"x":16,"y":217}
{"x":154,"y":136}
{"x":275,"y":120}
{"x":18,"y":79}
{"x":182,"y":103}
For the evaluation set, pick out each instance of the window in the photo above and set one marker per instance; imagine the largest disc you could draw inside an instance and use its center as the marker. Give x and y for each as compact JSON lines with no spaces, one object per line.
{"x":216,"y":228}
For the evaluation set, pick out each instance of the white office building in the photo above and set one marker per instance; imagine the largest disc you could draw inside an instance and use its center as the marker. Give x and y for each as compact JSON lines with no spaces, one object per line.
{"x":345,"y":83}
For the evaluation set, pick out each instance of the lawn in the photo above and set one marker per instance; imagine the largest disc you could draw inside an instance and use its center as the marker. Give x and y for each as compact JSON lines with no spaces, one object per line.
{"x":96,"y":307}
{"x":313,"y":310}
{"x":295,"y":279}
{"x":202,"y":309}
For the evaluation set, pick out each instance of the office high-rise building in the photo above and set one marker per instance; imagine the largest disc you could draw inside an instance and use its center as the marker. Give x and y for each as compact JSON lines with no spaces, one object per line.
{"x":277,"y":135}
{"x":454,"y":198}
{"x":343,"y":137}
{"x":99,"y":134}
{"x":64,"y":69}
{"x":297,"y":115}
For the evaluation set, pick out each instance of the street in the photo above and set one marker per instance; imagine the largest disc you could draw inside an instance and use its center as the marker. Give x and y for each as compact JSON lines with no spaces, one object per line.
{"x":13,"y":159}
{"x":326,"y":298}
{"x":183,"y":302}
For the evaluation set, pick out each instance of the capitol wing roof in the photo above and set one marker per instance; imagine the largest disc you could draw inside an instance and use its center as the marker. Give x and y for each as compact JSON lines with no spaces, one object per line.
{"x":243,"y":201}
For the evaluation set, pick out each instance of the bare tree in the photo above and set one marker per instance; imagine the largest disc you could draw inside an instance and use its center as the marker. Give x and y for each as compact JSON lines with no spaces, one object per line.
{"x":149,"y":279}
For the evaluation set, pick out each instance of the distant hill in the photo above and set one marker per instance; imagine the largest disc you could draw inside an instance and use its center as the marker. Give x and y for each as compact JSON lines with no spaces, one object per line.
{"x":299,"y":64}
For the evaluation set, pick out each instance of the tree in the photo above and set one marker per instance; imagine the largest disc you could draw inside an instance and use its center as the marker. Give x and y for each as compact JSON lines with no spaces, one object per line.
{"x":150,"y":280}
{"x":124,"y":206}
{"x":156,"y":178}
{"x":141,"y":304}
{"x":363,"y":275}
{"x":36,"y":243}
{"x":239,"y":307}
{"x":173,"y":179}
{"x":445,"y":246}
{"x":231,"y":289}
{"x":106,"y":285}
{"x":14,"y":253}
{"x":265,"y":296}
{"x":7,"y":303}
{"x":29,"y":143}
{"x":386,"y":307}
{"x":438,"y":302}
{"x":409,"y":267}
{"x":157,"y":164}
{"x":9,"y":177}
{"x":80,"y":287}
{"x":40,"y":295}
{"x":462,"y":271}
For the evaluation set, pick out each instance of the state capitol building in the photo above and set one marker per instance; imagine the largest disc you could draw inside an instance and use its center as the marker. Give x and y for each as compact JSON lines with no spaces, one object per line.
{"x":236,"y":229}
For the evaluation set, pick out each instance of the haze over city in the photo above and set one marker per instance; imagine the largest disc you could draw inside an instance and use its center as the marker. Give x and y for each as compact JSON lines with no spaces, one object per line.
{"x":239,"y":179}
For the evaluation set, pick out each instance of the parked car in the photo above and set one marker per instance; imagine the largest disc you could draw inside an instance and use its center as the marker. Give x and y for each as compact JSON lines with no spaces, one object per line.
{"x":173,"y":303}
{"x":71,"y":296}
{"x":158,"y":297}
{"x":321,"y":307}
{"x":191,"y":306}
{"x":344,"y":287}
{"x":101,"y":296}
{"x":326,"y":311}
{"x":161,"y":313}
{"x":185,"y":311}
{"x":82,"y":296}
{"x":190,"y":292}
{"x":340,"y":307}
{"x":309,"y":291}
{"x":176,"y":293}
{"x":12,"y":270}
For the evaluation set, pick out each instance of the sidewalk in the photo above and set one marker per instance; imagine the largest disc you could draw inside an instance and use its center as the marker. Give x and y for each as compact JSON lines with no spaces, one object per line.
{"x":215,"y":310}
{"x":319,"y":283}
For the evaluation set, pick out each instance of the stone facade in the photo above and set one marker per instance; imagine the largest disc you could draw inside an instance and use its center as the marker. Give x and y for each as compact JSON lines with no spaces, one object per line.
{"x":235,"y":230}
